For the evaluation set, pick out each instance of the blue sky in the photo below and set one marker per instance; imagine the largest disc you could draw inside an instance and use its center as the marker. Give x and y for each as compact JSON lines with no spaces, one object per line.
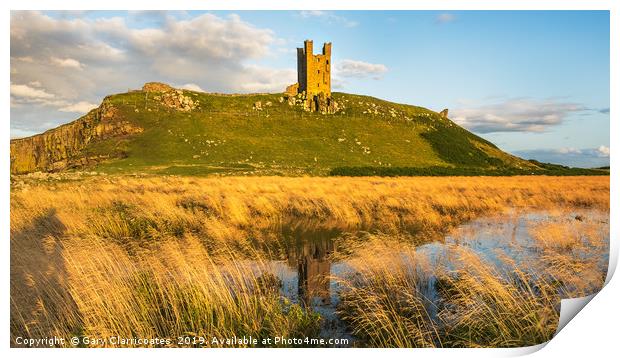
{"x":536,"y":83}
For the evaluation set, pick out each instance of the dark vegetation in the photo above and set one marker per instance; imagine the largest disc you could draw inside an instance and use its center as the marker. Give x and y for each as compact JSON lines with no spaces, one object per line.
{"x":547,"y":169}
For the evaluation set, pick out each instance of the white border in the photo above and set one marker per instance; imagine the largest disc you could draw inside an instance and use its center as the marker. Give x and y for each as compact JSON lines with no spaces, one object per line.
{"x":592,"y":332}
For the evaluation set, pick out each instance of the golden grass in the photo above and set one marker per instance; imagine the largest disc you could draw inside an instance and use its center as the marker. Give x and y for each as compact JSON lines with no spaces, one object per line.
{"x":382,"y":300}
{"x":180,"y":290}
{"x":481,"y":303}
{"x":169,"y":256}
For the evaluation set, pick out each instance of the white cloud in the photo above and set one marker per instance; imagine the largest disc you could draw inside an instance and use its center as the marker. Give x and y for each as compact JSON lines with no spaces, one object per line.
{"x":568,"y":150}
{"x":514,"y":115}
{"x":574,"y":157}
{"x":360,"y":69}
{"x":445,"y":18}
{"x":79,"y":107}
{"x":269,"y":80}
{"x":603,"y":151}
{"x":29,"y":92}
{"x":312,"y":13}
{"x":25,"y":59}
{"x":28,"y":95}
{"x":66,"y":62}
{"x":329,"y":17}
{"x":192,"y":87}
{"x":206,"y":48}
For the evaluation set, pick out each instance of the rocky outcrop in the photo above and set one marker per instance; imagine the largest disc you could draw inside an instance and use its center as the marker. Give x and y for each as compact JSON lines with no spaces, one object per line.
{"x":444,"y":113}
{"x":322,"y":103}
{"x":317,"y":103}
{"x":170,"y":97}
{"x":156,"y":87}
{"x":175,"y":99}
{"x":61,"y":148}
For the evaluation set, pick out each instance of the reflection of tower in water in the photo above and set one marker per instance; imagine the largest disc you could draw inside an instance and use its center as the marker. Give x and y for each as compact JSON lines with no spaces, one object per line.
{"x":313,"y":270}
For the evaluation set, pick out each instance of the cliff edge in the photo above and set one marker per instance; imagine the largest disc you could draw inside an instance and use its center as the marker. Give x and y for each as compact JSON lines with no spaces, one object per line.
{"x":61,"y":148}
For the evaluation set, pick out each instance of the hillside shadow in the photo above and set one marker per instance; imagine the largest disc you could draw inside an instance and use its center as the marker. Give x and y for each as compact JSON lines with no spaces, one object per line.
{"x":41,"y":305}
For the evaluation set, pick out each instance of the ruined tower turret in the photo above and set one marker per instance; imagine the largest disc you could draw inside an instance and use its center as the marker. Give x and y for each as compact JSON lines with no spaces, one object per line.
{"x":314,"y":71}
{"x":314,"y":78}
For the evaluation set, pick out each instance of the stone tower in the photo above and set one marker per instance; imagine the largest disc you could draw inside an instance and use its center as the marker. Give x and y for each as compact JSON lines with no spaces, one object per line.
{"x":314,"y":71}
{"x":314,"y":81}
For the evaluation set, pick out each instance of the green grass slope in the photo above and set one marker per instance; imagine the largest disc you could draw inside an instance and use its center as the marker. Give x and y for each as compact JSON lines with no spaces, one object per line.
{"x":225,"y":134}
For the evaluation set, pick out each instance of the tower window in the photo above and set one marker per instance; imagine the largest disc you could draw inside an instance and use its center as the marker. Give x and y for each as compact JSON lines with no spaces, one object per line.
{"x":327,"y":62}
{"x":318,"y":71}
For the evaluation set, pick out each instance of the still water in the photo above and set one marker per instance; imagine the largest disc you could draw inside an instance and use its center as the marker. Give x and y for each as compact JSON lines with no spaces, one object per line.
{"x":310,"y":273}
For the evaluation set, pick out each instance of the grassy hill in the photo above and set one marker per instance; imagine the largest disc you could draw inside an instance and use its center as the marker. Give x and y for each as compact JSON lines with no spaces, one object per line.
{"x":227,"y":134}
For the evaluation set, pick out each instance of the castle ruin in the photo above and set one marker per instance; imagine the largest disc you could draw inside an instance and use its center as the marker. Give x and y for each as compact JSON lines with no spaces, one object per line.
{"x":314,"y":79}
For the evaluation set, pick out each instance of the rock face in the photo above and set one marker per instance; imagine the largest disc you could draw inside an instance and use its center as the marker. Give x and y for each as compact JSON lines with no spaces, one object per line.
{"x":317,"y":103}
{"x":322,"y":103}
{"x":175,"y":99}
{"x":156,"y":87}
{"x":444,"y":113}
{"x":61,"y":148}
{"x":170,"y":97}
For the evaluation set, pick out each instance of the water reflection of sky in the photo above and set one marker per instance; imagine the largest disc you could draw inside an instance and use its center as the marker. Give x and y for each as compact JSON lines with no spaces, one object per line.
{"x":309,"y":273}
